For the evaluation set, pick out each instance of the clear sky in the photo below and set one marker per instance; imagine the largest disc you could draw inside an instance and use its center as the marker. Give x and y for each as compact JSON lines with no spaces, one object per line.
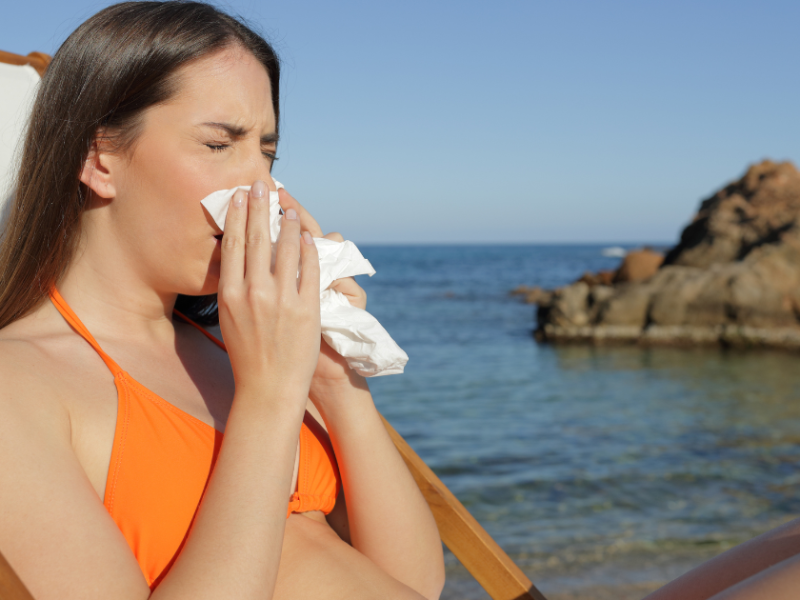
{"x":511,"y":121}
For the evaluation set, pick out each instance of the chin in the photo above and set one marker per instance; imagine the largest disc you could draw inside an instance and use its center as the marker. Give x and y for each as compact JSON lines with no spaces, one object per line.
{"x":201,"y":285}
{"x":211,"y":284}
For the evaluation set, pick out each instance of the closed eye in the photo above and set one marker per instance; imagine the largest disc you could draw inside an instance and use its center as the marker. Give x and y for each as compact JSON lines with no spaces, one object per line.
{"x":221,"y":147}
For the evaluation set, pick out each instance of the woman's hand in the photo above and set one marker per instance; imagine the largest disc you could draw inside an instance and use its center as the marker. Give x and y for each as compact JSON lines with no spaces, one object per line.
{"x":332,"y":369}
{"x":270,"y":322}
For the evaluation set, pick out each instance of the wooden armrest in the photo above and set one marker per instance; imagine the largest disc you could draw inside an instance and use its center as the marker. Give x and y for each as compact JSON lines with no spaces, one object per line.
{"x":478,"y":552}
{"x":38,"y":60}
{"x":11,"y":588}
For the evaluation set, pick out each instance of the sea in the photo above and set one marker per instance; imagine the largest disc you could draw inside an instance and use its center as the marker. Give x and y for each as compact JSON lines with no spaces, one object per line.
{"x":590,"y":466}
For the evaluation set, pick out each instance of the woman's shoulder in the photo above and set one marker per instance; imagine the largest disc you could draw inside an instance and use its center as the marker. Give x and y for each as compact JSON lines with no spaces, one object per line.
{"x":34,"y":353}
{"x":23,"y":348}
{"x":30,"y":339}
{"x":48,"y":502}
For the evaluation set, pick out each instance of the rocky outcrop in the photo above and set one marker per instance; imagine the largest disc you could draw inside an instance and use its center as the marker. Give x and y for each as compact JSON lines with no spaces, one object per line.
{"x":532,"y":295}
{"x":733,"y":279}
{"x":638,"y":265}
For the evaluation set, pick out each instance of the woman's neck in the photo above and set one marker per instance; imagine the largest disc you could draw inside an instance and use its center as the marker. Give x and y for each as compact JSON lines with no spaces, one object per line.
{"x":117,"y":301}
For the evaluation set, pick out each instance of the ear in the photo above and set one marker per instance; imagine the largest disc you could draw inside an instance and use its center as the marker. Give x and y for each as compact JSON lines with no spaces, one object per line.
{"x":97,"y":172}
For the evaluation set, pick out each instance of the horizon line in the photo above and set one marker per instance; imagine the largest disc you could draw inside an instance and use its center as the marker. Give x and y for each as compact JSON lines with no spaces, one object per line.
{"x":519,"y":243}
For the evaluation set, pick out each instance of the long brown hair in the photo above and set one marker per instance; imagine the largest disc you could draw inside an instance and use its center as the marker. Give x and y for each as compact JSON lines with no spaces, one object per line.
{"x":113,"y":67}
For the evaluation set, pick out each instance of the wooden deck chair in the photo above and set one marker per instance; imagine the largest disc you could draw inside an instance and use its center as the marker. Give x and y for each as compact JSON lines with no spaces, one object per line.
{"x":459,"y":530}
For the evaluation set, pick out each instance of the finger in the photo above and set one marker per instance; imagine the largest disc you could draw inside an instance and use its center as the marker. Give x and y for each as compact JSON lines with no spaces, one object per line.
{"x":309,"y":270}
{"x":334,"y":236}
{"x":287,"y":251}
{"x":232,"y":261}
{"x":354,"y":293}
{"x":307,"y":222}
{"x":258,"y":246}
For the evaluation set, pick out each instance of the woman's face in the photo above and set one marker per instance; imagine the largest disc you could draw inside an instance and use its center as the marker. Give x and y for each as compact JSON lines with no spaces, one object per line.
{"x":217,"y":132}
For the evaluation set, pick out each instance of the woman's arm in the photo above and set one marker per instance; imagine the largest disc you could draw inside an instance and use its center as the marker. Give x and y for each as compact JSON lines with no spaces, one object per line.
{"x":234,"y":547}
{"x":271,"y":328}
{"x":61,"y":540}
{"x":54,"y":530}
{"x":389,"y":519}
{"x":750,"y":561}
{"x":779,"y":582}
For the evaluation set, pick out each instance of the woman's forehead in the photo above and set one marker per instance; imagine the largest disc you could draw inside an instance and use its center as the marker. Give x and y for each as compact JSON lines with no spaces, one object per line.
{"x":230,"y":86}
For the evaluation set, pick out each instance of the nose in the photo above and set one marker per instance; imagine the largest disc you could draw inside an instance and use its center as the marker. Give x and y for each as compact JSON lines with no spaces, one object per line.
{"x":254,"y":166}
{"x":270,"y":182}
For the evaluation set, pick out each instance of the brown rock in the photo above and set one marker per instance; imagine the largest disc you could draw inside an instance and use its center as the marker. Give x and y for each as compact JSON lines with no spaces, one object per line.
{"x":760,"y":208}
{"x":588,"y":278}
{"x":522,"y":290}
{"x":599,"y":278}
{"x":531,"y":295}
{"x":628,"y":306}
{"x":733,"y":279}
{"x":605,"y":277}
{"x":674,"y":289}
{"x":638,"y":265}
{"x":568,"y":306}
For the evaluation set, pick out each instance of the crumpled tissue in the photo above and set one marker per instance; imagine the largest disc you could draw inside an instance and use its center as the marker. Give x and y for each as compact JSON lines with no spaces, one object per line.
{"x":349,"y":330}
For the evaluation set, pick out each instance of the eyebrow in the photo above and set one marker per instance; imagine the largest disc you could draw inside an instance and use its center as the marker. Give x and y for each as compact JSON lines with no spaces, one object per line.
{"x":237,"y":131}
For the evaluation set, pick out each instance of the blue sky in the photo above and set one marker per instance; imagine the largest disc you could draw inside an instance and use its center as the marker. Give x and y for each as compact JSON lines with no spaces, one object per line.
{"x":511,"y":121}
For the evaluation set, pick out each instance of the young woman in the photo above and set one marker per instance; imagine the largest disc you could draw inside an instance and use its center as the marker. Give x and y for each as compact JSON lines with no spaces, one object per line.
{"x":117,"y":481}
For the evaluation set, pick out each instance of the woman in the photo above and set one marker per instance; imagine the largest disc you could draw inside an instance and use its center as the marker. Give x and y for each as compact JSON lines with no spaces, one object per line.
{"x":146,"y":109}
{"x":130,"y":490}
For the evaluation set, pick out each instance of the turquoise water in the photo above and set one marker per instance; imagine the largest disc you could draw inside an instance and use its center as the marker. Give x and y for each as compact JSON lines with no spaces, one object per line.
{"x":581,"y":462}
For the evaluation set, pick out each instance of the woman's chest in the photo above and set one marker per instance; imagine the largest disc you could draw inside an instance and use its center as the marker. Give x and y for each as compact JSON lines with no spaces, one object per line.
{"x":160,"y":416}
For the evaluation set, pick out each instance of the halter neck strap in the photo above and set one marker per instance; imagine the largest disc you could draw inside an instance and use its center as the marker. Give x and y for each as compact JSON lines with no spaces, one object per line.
{"x":210,"y":336}
{"x":77,"y":325}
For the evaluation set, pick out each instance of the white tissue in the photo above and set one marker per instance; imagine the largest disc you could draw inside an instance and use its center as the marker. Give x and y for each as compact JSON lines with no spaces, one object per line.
{"x":351,"y":331}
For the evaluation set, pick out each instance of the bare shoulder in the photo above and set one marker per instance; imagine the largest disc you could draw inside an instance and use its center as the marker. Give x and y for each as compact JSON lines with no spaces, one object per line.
{"x":48,"y":502}
{"x":42,"y":360}
{"x":24,"y":371}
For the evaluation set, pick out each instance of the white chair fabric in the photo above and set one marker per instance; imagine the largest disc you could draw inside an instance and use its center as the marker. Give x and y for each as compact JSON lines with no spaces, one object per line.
{"x":17,"y":90}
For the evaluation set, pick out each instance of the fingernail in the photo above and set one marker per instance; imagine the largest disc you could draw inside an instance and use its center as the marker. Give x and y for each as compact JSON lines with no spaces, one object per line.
{"x":307,"y":237}
{"x":238,"y":198}
{"x":257,"y":191}
{"x":291,"y":214}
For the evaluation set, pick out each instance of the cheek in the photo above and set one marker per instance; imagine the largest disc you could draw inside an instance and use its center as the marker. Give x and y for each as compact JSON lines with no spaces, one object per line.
{"x":164,"y":186}
{"x":167,"y":176}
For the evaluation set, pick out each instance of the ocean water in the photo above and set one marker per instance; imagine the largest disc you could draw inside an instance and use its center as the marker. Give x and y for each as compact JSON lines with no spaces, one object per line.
{"x":587,"y":465}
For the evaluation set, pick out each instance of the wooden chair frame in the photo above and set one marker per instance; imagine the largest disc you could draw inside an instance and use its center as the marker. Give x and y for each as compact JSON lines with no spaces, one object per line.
{"x":461,"y":533}
{"x":37,"y":60}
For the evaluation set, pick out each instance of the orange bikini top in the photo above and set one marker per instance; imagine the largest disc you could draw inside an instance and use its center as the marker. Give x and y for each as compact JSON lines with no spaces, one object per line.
{"x":162,"y":458}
